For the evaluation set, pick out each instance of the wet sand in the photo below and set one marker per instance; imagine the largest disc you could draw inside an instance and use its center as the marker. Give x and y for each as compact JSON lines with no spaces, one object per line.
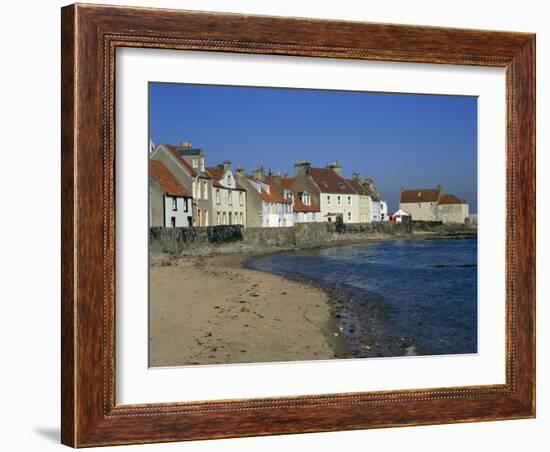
{"x":211,"y":310}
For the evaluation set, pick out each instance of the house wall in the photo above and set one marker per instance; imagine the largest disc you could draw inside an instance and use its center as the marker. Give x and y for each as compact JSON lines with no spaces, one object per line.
{"x":237,"y":206}
{"x":307,"y":217}
{"x":253,"y":205}
{"x":277,"y":214}
{"x":182,"y":213}
{"x":421,"y":211}
{"x":350,"y":212}
{"x":156,"y":204}
{"x":202,"y":200}
{"x":453,"y":213}
{"x":365,"y":205}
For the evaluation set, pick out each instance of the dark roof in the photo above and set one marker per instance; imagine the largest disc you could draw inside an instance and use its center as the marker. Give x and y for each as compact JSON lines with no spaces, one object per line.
{"x":420,"y":195}
{"x":189,"y":151}
{"x":192,"y":171}
{"x":166,"y":179}
{"x":450,"y":199}
{"x":329,"y":182}
{"x":359,"y":187}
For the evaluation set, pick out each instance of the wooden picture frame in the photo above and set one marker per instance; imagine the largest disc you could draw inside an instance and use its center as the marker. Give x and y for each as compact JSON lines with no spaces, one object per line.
{"x":90,"y":36}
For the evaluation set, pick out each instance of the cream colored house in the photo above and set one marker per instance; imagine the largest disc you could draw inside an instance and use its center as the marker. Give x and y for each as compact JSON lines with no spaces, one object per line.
{"x":431,"y":204}
{"x":365,"y":199}
{"x":228,"y":197}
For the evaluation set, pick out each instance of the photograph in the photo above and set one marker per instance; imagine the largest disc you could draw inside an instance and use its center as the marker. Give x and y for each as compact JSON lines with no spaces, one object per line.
{"x":294,"y":224}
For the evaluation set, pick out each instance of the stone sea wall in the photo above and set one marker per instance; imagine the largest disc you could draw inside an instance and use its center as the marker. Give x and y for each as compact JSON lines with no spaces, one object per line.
{"x":304,"y":235}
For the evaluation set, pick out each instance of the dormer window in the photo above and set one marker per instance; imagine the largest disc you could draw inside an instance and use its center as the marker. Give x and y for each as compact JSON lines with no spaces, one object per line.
{"x":341,"y":185}
{"x":195,"y":163}
{"x":305,"y":197}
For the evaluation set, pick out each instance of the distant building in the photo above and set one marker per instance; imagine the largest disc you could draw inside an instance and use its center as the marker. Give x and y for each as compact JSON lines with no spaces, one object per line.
{"x":170,"y":205}
{"x":187,"y":164}
{"x":228,"y":197}
{"x":431,"y":204}
{"x":266,"y":206}
{"x":398,"y":216}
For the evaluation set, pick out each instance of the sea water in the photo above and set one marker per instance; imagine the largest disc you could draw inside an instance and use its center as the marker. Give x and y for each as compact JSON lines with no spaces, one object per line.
{"x":394,"y":297}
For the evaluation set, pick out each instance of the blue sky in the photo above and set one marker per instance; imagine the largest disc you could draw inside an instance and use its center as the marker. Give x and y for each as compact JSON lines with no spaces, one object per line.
{"x":402,"y":140}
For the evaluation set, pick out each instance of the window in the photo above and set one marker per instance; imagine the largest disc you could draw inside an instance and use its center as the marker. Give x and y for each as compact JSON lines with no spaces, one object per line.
{"x":185,"y":204}
{"x":229,"y":197}
{"x":230,"y":219}
{"x":341,"y":185}
{"x":241,"y":198}
{"x":174,"y":203}
{"x":195,"y":163}
{"x":202,"y":165}
{"x":305,"y":197}
{"x":242,"y":218}
{"x":199,"y":218}
{"x":206,"y":218}
{"x":349,"y":200}
{"x":173,"y":222}
{"x":349,"y":216}
{"x":204,"y":190}
{"x":218,"y":218}
{"x":328,"y":200}
{"x":224,"y":218}
{"x":218,"y":200}
{"x":339,"y":200}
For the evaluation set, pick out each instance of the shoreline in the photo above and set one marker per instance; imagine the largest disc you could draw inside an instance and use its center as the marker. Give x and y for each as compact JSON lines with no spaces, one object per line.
{"x":282,"y":330}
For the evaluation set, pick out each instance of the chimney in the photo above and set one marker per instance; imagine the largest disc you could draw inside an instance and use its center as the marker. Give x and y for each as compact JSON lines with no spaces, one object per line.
{"x":258,"y":173}
{"x":185,"y":145}
{"x":240,"y":171}
{"x":301,"y":167}
{"x":335,"y":166}
{"x":226,"y":165}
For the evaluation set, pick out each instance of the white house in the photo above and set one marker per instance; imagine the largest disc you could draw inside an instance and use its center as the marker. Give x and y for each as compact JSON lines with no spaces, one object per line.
{"x":170,"y":205}
{"x":228,"y":197}
{"x":398,"y":216}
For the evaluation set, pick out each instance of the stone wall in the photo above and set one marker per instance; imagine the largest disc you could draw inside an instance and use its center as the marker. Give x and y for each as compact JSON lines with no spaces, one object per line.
{"x":303,"y":235}
{"x":176,"y":240}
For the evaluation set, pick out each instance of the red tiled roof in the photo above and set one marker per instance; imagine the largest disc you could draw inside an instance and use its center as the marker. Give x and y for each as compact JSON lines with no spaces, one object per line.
{"x":299,"y":206}
{"x":286,"y":182}
{"x":166,"y":179}
{"x":329,"y":182}
{"x":450,"y":199}
{"x":420,"y":195}
{"x":274,"y":195}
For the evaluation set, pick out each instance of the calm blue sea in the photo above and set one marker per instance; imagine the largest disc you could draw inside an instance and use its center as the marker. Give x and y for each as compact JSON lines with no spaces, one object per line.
{"x":394,"y":297}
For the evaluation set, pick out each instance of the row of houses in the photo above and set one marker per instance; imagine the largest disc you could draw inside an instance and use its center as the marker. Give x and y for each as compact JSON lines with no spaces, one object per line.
{"x":184,"y":192}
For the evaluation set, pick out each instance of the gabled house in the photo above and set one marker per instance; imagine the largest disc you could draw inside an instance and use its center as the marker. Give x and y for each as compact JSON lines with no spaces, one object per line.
{"x":170,"y":205}
{"x":265,"y":205}
{"x":327,"y":189}
{"x":228,"y":197}
{"x":187,"y":164}
{"x":431,"y":204}
{"x":304,"y":208}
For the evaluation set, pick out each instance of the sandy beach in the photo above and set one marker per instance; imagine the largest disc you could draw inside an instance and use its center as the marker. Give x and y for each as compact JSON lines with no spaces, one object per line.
{"x":211,"y":310}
